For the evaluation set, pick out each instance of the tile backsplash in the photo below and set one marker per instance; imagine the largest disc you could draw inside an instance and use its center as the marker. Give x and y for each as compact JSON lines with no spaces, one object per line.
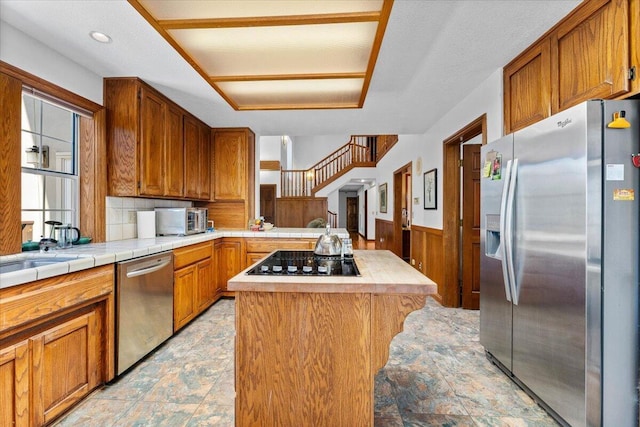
{"x":121,"y":214}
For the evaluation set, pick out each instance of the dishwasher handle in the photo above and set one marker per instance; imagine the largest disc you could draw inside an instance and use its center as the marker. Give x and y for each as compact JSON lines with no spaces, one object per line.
{"x":148,"y":270}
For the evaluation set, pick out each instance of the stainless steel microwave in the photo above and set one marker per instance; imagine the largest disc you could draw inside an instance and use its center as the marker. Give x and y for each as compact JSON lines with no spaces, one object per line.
{"x":180,"y":221}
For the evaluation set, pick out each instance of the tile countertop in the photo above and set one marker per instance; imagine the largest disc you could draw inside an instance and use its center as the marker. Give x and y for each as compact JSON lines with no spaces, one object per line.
{"x":96,"y":254}
{"x":382,"y":272}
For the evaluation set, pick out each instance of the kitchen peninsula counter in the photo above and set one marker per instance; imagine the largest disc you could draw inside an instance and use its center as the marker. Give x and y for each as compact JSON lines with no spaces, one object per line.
{"x":308,"y":347}
{"x":82,"y":257}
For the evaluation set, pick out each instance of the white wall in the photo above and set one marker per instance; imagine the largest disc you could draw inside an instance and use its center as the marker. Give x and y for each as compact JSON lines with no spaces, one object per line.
{"x":309,"y":150}
{"x":333,"y":201}
{"x":486,"y":98}
{"x":28,"y":54}
{"x":271,"y":148}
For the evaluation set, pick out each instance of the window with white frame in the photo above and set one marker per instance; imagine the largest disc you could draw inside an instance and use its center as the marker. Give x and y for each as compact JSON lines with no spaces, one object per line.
{"x":50,"y":184}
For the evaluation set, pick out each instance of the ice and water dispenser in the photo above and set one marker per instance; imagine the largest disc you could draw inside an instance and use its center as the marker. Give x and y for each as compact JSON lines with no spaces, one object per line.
{"x":492,"y":238}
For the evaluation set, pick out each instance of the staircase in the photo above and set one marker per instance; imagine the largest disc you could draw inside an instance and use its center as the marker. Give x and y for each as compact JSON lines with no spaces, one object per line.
{"x":360,"y":151}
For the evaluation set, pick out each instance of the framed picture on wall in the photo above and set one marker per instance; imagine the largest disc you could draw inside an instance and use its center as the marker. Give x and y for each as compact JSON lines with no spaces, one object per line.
{"x":431,"y":189}
{"x":383,"y":197}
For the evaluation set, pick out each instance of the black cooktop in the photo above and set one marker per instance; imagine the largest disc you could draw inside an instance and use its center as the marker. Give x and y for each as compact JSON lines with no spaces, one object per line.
{"x":304,"y":263}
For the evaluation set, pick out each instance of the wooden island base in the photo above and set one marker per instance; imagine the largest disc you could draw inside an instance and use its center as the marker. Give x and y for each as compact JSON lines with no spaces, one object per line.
{"x":308,"y":347}
{"x":309,"y":359}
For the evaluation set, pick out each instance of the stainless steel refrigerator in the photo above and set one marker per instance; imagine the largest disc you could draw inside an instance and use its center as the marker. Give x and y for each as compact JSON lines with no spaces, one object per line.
{"x":559,"y":261}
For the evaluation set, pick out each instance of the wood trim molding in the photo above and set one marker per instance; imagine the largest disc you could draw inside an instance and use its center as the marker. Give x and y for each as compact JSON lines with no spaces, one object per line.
{"x":10,"y":193}
{"x":375,"y":49}
{"x":634,"y":43}
{"x":398,"y":183}
{"x":92,"y":156}
{"x":269,"y":165}
{"x":64,"y":95}
{"x":93,"y":170}
{"x":434,"y":231}
{"x":451,"y":207}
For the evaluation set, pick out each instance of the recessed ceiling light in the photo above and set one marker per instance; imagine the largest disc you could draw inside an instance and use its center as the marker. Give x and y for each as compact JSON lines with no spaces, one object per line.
{"x":100,"y":37}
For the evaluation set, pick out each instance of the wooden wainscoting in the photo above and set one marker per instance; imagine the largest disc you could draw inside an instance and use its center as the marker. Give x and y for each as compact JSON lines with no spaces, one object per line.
{"x":299,"y":211}
{"x":427,"y":255}
{"x":385,"y":235}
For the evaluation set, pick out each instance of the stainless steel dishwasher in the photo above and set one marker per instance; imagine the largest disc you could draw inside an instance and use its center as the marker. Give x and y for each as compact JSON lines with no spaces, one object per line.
{"x":144,"y":307}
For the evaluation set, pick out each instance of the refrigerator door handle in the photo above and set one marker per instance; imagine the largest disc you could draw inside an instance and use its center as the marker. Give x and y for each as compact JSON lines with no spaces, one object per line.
{"x":513,"y":178}
{"x":505,"y":242}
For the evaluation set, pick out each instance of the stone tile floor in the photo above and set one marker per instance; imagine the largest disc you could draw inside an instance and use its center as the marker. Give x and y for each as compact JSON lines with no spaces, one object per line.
{"x":437,"y":375}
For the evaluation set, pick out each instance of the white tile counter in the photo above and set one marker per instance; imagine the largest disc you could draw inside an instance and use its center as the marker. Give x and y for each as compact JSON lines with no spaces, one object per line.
{"x":96,"y":254}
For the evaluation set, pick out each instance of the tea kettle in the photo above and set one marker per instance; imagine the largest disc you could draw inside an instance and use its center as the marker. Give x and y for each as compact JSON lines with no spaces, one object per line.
{"x":64,"y":235}
{"x":328,"y":244}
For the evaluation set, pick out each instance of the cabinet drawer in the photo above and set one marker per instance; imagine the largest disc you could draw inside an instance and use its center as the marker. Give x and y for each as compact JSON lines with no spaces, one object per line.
{"x":22,"y":304}
{"x":270,"y":245}
{"x":190,"y":254}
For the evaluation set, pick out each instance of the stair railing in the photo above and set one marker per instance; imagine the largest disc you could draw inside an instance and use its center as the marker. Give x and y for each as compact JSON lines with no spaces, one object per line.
{"x":296,"y":183}
{"x":332,"y":219}
{"x":359,"y":151}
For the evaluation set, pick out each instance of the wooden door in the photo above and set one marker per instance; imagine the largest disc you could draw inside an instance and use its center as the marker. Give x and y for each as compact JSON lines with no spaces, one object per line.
{"x":590,"y":54}
{"x":152,"y":110}
{"x":229,"y":260}
{"x":184,"y":282}
{"x":230,"y":165}
{"x":352,"y":214}
{"x":471,"y":226}
{"x":204,"y":164}
{"x":268,"y":202}
{"x":174,"y":154}
{"x":191,"y":158}
{"x":206,"y":284}
{"x":527,"y":88}
{"x":14,"y":383}
{"x":65,"y":366}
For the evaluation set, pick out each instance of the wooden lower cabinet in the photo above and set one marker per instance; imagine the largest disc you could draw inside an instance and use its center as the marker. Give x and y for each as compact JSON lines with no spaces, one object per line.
{"x":56,"y":344}
{"x":15,"y":372}
{"x":184,"y":281}
{"x":307,"y":359}
{"x":258,"y":248}
{"x":194,"y":284}
{"x":229,"y":255}
{"x":207,"y":289}
{"x":69,"y":350}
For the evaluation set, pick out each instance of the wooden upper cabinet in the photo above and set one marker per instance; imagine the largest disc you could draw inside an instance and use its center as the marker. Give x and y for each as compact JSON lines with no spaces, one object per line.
{"x":152,"y":144}
{"x":191,"y":157}
{"x":230,"y":164}
{"x":197,"y":159}
{"x":204,"y":164}
{"x":527,"y":87}
{"x":232,"y":168}
{"x":585,"y":56}
{"x":590,"y":54}
{"x":634,"y":43}
{"x":174,"y":154}
{"x":152,"y":130}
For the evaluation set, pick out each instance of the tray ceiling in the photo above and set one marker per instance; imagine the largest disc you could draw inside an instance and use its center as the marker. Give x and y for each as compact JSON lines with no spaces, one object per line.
{"x":276,"y":55}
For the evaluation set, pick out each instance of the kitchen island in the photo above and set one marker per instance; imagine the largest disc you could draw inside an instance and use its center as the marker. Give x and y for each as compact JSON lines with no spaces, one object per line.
{"x":308,"y":347}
